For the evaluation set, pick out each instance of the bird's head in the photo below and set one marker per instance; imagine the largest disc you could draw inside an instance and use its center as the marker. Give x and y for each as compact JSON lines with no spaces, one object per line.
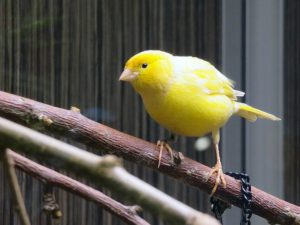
{"x":148,"y":71}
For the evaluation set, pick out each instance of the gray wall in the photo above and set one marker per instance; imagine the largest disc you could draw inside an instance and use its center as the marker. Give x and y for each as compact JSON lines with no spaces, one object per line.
{"x":253,"y":57}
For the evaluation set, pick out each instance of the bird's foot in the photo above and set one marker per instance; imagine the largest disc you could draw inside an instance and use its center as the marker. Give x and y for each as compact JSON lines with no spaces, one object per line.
{"x":219,"y":179}
{"x":163,"y":144}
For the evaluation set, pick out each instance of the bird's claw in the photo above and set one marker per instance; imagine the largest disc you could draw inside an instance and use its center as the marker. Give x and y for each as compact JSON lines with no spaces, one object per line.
{"x":220,"y":177}
{"x":162,"y":145}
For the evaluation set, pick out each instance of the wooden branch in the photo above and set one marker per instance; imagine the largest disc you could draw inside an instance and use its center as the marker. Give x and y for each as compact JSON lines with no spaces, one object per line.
{"x":104,"y":170}
{"x":126,"y":213}
{"x":74,"y":125}
{"x":15,"y":188}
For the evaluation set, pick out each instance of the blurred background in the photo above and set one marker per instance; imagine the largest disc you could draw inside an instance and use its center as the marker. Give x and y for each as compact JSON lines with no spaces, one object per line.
{"x":71,"y":53}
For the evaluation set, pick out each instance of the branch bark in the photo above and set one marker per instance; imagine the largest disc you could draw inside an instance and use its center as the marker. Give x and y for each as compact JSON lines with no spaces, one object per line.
{"x":126,"y":213}
{"x":104,"y":170}
{"x":72,"y":124}
{"x":15,"y":188}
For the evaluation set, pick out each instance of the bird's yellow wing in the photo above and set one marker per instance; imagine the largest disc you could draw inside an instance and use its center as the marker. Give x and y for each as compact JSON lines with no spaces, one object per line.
{"x":209,"y":80}
{"x":214,"y":85}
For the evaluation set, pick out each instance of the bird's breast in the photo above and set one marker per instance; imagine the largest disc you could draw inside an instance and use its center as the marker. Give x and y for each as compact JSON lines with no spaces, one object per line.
{"x":187,"y":112}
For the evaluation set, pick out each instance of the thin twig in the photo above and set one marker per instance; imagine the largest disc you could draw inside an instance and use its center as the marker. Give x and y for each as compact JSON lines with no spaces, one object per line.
{"x":104,"y":170}
{"x":74,"y":125}
{"x":15,"y":188}
{"x":51,"y":177}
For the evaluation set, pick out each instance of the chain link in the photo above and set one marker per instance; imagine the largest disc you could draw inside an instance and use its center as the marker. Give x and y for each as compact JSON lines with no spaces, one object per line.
{"x":218,"y":206}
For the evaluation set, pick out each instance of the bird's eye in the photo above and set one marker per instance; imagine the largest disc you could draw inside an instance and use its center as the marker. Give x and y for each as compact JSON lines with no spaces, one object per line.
{"x":144,"y":65}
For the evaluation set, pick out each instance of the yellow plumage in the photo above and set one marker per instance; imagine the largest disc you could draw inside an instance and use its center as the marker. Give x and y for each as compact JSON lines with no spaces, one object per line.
{"x":187,"y":95}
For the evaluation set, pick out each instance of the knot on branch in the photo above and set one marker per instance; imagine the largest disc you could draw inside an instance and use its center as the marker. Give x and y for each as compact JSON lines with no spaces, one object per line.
{"x":75,"y":109}
{"x":45,"y":119}
{"x":294,"y":215}
{"x":109,"y":161}
{"x":135,"y":209}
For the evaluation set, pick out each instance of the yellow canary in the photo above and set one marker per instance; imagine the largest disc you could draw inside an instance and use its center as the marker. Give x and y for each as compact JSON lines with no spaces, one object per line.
{"x":188,"y":96}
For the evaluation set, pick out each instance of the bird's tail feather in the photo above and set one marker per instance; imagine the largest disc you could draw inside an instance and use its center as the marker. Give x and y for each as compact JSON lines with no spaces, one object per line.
{"x":238,"y":93}
{"x":251,"y":113}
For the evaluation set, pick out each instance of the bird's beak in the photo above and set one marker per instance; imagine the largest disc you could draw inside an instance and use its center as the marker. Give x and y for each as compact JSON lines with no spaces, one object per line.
{"x":128,"y":75}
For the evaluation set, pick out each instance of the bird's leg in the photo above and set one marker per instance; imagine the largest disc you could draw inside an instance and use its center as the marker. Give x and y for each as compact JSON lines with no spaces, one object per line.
{"x":218,"y":167}
{"x":164,"y":144}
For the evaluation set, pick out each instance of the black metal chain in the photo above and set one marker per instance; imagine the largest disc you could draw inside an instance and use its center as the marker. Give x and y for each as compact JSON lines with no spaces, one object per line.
{"x":218,"y":206}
